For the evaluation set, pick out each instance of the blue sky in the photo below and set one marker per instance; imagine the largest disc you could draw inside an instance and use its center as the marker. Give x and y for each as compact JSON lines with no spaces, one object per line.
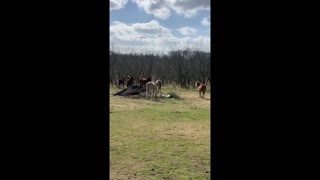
{"x":159,"y":25}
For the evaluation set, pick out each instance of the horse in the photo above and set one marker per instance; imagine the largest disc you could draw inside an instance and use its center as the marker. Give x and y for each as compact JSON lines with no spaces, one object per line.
{"x":121,"y":82}
{"x":151,"y":89}
{"x":130,"y":81}
{"x":158,"y":86}
{"x":144,"y":81}
{"x":202,"y":88}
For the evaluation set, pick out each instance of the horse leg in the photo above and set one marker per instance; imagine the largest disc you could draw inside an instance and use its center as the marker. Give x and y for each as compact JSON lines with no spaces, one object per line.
{"x":199,"y":93}
{"x":159,"y":90}
{"x":146,"y":93}
{"x":156,"y":93}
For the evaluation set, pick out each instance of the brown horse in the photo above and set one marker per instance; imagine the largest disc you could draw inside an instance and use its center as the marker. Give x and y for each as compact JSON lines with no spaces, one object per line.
{"x":121,"y":82}
{"x":202,"y":88}
{"x":144,"y":81}
{"x":130,"y":81}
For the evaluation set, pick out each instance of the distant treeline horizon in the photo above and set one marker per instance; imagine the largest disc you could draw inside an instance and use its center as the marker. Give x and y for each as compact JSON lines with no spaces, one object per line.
{"x":182,"y":67}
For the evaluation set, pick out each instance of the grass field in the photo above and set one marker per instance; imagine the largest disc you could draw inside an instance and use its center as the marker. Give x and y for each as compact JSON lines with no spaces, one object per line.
{"x":164,"y":139}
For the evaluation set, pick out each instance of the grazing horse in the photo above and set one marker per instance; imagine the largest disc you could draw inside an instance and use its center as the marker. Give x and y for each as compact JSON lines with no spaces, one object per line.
{"x":151,"y":89}
{"x":202,"y":88}
{"x":129,"y":81}
{"x":121,"y":82}
{"x":158,"y":86}
{"x":144,"y":81}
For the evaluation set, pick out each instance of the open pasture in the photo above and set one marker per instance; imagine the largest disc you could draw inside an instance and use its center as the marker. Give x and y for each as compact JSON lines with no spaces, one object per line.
{"x":163,"y":139}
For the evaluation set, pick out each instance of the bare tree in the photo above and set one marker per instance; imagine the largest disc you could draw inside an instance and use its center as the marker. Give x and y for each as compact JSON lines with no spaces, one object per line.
{"x":184,"y":67}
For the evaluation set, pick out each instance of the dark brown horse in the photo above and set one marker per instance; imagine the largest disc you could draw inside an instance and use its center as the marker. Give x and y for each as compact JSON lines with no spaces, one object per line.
{"x":130,"y":81}
{"x":144,"y":81}
{"x":121,"y":82}
{"x":202,"y":88}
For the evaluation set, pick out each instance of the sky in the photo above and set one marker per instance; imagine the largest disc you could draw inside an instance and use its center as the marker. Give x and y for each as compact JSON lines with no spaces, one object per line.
{"x":159,"y":26}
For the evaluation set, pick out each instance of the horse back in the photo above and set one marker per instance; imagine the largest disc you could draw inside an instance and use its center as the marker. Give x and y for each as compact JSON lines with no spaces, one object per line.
{"x":202,"y":87}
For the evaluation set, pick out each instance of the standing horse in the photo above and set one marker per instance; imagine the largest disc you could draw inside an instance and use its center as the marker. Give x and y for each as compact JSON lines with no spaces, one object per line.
{"x":158,"y":86}
{"x":151,"y":89}
{"x":121,"y":82}
{"x":144,"y":81}
{"x":130,"y":81}
{"x":202,"y":88}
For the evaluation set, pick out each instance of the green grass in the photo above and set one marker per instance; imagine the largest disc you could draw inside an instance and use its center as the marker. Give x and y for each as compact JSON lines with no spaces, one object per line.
{"x":163,"y":139}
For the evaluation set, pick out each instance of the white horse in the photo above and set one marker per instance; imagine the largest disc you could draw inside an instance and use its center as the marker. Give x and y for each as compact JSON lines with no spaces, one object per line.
{"x":151,"y":89}
{"x":158,"y":86}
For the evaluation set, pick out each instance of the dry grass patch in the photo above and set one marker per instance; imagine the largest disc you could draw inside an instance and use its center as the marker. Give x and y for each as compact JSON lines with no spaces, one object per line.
{"x":193,"y":131}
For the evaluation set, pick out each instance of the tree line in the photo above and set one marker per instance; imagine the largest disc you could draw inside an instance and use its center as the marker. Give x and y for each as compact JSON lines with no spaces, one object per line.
{"x":179,"y":67}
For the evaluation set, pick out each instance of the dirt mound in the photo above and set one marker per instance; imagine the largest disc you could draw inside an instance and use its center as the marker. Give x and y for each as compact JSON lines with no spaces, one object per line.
{"x":140,"y":92}
{"x":132,"y":91}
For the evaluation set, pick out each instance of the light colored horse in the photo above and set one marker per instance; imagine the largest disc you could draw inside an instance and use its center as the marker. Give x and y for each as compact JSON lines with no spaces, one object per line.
{"x":151,"y":90}
{"x":202,"y":88}
{"x":158,"y":86}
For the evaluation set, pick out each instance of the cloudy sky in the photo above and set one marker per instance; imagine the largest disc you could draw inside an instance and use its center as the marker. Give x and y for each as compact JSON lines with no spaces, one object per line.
{"x":159,"y":25}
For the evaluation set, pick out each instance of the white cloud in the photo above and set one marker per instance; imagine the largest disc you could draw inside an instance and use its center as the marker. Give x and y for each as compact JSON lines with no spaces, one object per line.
{"x":158,"y":8}
{"x":206,"y":21}
{"x":189,"y":8}
{"x":152,"y":27}
{"x":143,"y":32}
{"x":151,"y":36}
{"x":117,"y":4}
{"x":187,"y":31}
{"x":162,"y":8}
